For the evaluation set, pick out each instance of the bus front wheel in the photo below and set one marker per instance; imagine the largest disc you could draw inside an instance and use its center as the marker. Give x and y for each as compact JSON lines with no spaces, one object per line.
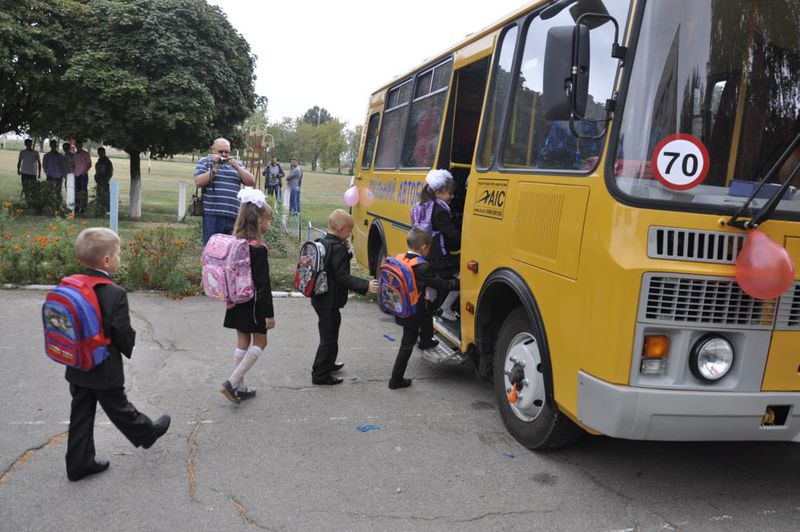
{"x":524,"y":389}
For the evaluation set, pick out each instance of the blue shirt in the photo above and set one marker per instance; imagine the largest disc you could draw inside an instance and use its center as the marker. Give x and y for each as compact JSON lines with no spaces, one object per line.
{"x":219,"y":196}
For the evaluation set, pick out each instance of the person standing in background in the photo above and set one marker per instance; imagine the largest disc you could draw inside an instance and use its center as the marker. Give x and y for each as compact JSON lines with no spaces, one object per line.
{"x":29,"y":168}
{"x":53,"y":164}
{"x":273,"y":174}
{"x":293,"y":181}
{"x":103,"y":172}
{"x":82,"y":162}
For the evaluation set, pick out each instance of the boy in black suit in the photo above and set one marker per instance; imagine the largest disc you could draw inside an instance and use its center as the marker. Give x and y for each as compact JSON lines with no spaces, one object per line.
{"x":98,"y":249}
{"x":419,"y":324}
{"x":328,"y":305}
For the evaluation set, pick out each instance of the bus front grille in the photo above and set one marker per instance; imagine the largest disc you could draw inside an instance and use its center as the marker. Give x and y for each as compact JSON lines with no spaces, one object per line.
{"x":715,"y":247}
{"x":701,"y":300}
{"x":789,"y":310}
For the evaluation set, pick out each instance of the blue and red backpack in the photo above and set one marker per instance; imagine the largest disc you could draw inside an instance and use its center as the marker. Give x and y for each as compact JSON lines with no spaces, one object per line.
{"x":73,"y":324}
{"x":397,"y":287}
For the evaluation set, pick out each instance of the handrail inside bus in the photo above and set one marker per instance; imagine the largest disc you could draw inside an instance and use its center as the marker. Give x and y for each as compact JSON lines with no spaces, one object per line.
{"x":460,"y":165}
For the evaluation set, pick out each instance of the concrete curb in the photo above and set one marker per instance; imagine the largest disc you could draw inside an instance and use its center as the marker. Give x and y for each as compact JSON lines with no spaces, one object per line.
{"x":49,"y":287}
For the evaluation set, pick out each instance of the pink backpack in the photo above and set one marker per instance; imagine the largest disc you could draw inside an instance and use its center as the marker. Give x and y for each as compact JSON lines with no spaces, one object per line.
{"x":226,"y":269}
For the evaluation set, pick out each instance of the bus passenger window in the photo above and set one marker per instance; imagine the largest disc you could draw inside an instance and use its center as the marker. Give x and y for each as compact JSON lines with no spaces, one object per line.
{"x":422,"y":135}
{"x":394,"y":119}
{"x":369,"y":143}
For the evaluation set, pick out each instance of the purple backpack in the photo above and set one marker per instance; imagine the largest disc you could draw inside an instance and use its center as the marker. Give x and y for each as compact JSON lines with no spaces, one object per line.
{"x":422,"y":217}
{"x":226,"y":269}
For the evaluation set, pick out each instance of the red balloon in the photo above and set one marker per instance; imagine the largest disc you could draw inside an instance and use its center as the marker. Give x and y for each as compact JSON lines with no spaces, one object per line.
{"x":764,"y":269}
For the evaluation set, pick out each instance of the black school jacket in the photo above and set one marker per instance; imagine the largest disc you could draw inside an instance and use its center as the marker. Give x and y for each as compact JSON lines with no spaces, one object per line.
{"x":425,"y":276}
{"x":113,"y":302}
{"x":337,"y":266}
{"x":442,"y":221}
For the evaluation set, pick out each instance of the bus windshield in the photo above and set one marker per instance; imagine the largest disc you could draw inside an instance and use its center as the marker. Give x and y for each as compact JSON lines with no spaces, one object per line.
{"x":711,"y":106}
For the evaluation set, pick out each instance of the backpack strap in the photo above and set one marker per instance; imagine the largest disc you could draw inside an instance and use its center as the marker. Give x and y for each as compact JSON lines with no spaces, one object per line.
{"x":257,"y":243}
{"x":81,"y":282}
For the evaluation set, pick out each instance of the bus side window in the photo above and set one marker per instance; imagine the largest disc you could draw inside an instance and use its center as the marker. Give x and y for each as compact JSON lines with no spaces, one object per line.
{"x":394,"y":120}
{"x":501,"y":83}
{"x":427,"y":108}
{"x":369,"y":142}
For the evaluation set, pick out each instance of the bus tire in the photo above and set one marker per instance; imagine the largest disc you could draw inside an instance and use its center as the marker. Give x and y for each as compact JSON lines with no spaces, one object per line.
{"x":534,"y":420}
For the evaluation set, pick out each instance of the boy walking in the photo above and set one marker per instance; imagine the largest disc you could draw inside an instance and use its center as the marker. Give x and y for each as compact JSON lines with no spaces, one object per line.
{"x":98,"y":249}
{"x":420,"y":324}
{"x":328,"y":305}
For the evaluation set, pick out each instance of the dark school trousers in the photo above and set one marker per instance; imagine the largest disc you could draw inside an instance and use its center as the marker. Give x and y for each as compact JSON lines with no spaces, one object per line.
{"x":81,"y":192}
{"x":137,"y":427}
{"x":422,"y":330}
{"x":329,"y":322}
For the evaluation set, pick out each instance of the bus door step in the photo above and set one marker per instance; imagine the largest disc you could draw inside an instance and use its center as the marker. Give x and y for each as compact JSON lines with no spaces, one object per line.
{"x":443,"y":353}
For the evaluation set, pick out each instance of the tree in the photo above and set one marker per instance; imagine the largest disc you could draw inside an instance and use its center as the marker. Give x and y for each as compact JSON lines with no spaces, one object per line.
{"x":353,"y":140}
{"x":34,"y":40}
{"x":331,"y":144}
{"x":157,"y":76}
{"x":316,"y":116}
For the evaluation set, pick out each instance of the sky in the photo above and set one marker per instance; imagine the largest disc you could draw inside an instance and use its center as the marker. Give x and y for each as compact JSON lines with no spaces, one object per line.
{"x":335,"y":54}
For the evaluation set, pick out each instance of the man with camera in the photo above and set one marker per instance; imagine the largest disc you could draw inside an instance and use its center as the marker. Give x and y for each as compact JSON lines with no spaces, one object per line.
{"x":221,"y":177}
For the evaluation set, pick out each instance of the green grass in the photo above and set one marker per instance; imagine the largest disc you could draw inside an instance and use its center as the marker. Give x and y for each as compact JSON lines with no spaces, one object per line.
{"x":321,"y":193}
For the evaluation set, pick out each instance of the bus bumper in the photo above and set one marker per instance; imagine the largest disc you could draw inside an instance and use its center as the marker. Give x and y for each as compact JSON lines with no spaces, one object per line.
{"x":691,"y":415}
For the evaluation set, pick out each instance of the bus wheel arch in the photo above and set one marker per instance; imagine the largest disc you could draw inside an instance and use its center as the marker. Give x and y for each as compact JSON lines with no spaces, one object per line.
{"x":510,"y":330}
{"x":376,"y":247}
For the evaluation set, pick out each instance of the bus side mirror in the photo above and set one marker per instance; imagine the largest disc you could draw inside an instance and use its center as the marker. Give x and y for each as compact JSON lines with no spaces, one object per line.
{"x":565,"y":89}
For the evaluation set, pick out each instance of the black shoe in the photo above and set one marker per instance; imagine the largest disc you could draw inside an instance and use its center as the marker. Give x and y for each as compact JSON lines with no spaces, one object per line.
{"x":230,"y":392}
{"x":329,"y":380}
{"x":428,"y":344}
{"x":337,"y":366}
{"x":245,"y":394}
{"x":97,"y":467}
{"x":402,"y":383}
{"x":160,"y":427}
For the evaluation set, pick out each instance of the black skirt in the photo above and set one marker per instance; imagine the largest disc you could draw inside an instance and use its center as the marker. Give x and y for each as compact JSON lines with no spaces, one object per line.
{"x":242,"y":317}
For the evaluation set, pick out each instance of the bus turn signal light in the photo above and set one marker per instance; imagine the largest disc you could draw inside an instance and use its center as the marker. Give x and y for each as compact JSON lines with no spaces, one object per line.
{"x":656,"y":346}
{"x":473,"y":266}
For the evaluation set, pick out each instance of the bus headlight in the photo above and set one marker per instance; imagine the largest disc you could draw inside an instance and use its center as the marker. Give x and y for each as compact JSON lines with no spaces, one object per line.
{"x":711,"y":358}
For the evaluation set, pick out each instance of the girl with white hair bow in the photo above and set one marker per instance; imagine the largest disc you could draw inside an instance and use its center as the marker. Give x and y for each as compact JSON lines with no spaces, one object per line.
{"x":433,"y":214}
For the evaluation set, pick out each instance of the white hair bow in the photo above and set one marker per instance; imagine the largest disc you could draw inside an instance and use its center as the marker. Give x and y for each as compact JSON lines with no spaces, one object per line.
{"x":436,"y":179}
{"x":252,"y":195}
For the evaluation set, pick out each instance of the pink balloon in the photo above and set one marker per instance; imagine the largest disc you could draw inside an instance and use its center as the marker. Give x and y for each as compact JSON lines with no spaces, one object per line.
{"x":367,"y":197}
{"x":351,"y":196}
{"x":764,"y":269}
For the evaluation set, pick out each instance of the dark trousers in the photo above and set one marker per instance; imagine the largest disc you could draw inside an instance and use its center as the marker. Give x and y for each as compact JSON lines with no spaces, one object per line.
{"x":274,"y":190}
{"x":214,"y":223}
{"x":81,"y":192}
{"x":424,"y":331}
{"x":137,"y":427}
{"x":28,"y":182}
{"x":329,"y":322}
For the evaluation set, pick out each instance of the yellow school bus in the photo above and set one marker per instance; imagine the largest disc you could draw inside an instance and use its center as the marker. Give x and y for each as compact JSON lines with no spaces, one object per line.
{"x":608,"y":154}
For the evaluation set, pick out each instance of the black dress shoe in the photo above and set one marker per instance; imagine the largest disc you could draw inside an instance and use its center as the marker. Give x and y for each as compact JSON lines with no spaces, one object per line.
{"x":337,"y":366}
{"x":428,"y":344}
{"x":97,"y":467}
{"x":245,"y":394}
{"x":160,"y":427}
{"x":329,"y":380}
{"x":402,"y":383}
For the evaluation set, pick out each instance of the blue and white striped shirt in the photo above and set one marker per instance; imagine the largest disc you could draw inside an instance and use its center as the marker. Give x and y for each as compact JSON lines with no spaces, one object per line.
{"x":219,"y":196}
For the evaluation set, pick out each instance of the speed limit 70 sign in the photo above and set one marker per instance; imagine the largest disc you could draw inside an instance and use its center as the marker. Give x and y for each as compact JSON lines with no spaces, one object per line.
{"x":680,"y":162}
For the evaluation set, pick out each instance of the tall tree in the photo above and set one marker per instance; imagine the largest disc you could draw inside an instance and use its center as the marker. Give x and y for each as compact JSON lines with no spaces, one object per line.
{"x":157,"y":76}
{"x":353,"y":141}
{"x":316,"y":116}
{"x":35,"y":36}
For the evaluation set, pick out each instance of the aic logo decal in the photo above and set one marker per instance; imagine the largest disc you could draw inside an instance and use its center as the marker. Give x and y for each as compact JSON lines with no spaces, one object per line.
{"x":490,"y":201}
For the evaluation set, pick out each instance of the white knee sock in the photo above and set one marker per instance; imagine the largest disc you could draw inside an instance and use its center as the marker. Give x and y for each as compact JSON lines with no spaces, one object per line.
{"x":247,"y":362}
{"x":238,"y":355}
{"x":449,"y":300}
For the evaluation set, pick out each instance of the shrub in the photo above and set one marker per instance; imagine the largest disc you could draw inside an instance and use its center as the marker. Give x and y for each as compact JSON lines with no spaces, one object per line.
{"x":45,"y":198}
{"x":151,"y":260}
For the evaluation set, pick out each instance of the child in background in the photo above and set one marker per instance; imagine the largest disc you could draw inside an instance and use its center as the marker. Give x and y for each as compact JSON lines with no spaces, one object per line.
{"x":98,"y":249}
{"x":328,"y":305}
{"x":251,"y":319}
{"x":446,"y":246}
{"x":420,"y":324}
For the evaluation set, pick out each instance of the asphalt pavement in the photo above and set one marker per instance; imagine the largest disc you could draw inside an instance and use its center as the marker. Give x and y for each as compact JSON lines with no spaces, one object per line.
{"x":434,"y":456}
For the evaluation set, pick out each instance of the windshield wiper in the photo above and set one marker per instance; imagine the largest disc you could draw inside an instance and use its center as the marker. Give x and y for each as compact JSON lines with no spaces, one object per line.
{"x":766,"y":211}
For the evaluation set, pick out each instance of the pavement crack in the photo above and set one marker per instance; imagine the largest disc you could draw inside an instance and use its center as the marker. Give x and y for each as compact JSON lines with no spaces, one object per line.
{"x":149,"y":334}
{"x":28,"y":454}
{"x":449,"y":520}
{"x":243,"y":514}
{"x":192,"y":442}
{"x":597,"y":481}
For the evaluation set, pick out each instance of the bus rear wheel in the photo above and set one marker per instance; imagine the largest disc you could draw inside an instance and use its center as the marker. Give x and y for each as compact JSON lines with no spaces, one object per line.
{"x":523,"y":387}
